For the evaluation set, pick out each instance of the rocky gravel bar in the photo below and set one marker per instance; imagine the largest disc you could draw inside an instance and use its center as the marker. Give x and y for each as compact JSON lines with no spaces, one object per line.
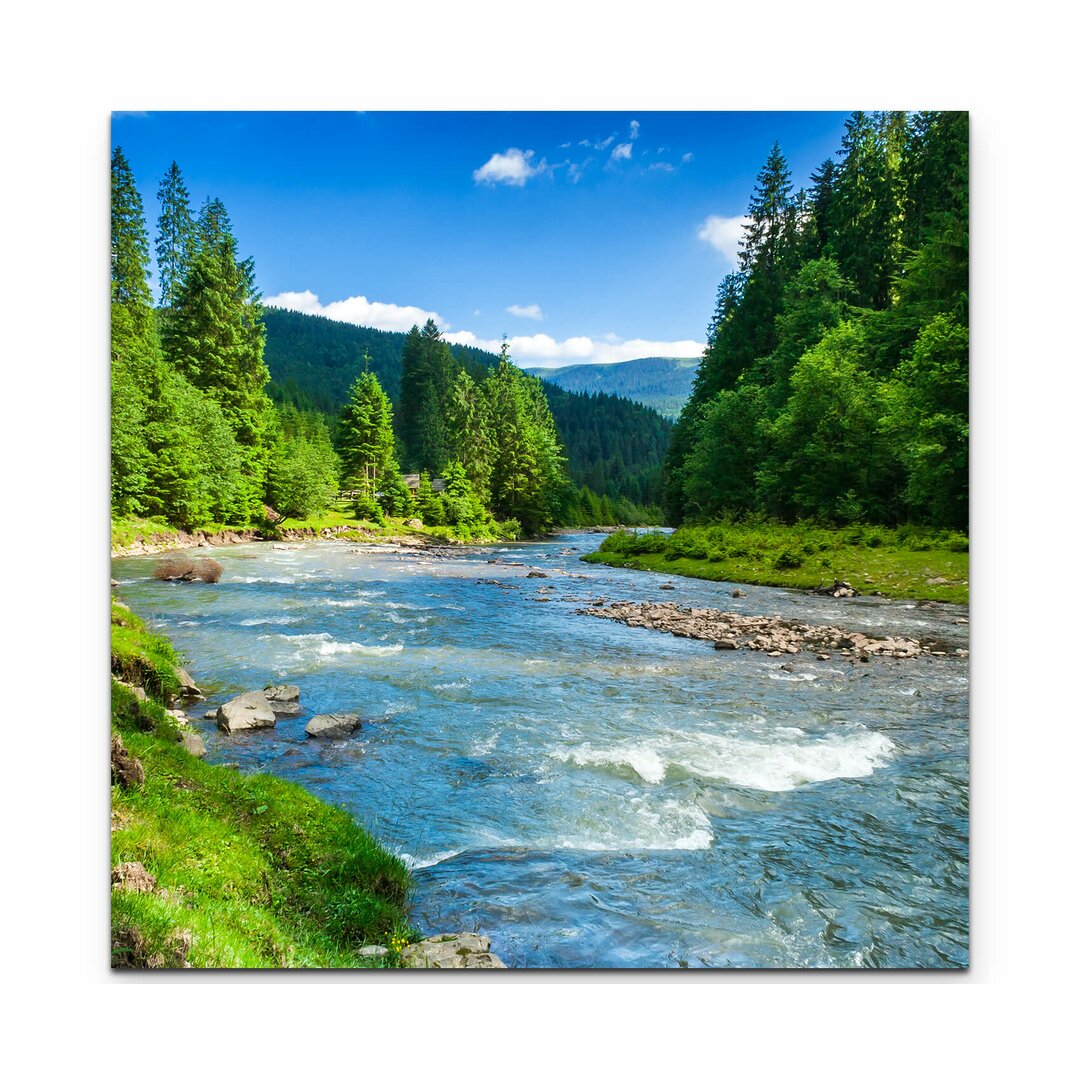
{"x":763,"y":633}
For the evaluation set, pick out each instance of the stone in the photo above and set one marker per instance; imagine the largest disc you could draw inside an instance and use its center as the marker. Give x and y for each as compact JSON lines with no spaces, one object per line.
{"x":133,"y":877}
{"x":332,"y":725}
{"x":188,"y":688}
{"x":414,"y":523}
{"x":127,"y":770}
{"x":374,"y":950}
{"x":667,"y":586}
{"x":536,"y":573}
{"x":726,"y":643}
{"x":451,"y":951}
{"x":193,"y":743}
{"x":286,"y":708}
{"x":824,"y":656}
{"x":248,"y":712}
{"x":282,"y":693}
{"x":736,"y":593}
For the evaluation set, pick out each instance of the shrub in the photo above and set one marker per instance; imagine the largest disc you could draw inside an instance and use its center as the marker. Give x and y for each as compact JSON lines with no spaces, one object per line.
{"x":788,"y":560}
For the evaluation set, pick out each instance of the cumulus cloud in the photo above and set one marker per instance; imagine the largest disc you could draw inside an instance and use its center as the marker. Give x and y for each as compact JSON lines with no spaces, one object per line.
{"x":661,"y":166}
{"x":635,"y":127}
{"x":605,"y":143}
{"x":527,"y":350}
{"x":513,"y":168}
{"x":621,"y":152}
{"x":358,"y":310}
{"x":724,"y":234}
{"x":542,"y":350}
{"x":530,"y":311}
{"x":687,"y":157}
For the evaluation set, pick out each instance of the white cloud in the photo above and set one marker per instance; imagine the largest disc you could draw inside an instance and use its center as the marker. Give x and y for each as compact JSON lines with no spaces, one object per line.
{"x":635,"y":127}
{"x":357,"y":310}
{"x":531,"y":311}
{"x":687,"y":157}
{"x":606,"y":143}
{"x":527,"y":350}
{"x":621,"y":152}
{"x":542,"y":350}
{"x":724,"y":234}
{"x":662,"y":166}
{"x":564,"y":145}
{"x":513,"y":168}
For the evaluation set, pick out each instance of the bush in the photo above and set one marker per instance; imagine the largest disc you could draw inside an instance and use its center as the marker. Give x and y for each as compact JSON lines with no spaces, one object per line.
{"x":788,"y":560}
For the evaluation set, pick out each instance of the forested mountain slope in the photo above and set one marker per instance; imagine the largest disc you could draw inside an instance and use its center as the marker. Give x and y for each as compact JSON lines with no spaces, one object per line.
{"x":662,"y":383}
{"x":615,"y":447}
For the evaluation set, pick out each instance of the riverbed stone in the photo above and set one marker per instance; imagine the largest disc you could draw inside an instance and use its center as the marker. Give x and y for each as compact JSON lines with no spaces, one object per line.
{"x":193,"y":743}
{"x":378,"y":951}
{"x":451,"y":951}
{"x":248,"y":712}
{"x":188,"y":688}
{"x":332,"y":725}
{"x":283,"y":693}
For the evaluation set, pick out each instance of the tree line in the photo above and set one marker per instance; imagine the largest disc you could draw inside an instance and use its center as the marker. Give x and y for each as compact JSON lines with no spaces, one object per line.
{"x":197,"y":439}
{"x":834,"y":382}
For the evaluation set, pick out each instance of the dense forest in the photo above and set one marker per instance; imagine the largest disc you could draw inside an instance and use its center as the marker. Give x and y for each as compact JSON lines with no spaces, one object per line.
{"x":198,"y":439}
{"x":614,"y":447}
{"x":834,"y":383}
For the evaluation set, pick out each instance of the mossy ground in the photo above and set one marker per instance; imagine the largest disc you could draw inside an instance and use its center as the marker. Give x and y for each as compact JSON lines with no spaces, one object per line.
{"x":252,"y":871}
{"x":902,"y":563}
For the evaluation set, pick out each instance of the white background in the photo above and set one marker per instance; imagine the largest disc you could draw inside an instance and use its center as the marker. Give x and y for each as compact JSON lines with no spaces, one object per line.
{"x":65,"y":70}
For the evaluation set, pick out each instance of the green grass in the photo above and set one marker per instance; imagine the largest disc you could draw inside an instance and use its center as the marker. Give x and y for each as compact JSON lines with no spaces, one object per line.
{"x":907,"y":563}
{"x":252,"y":871}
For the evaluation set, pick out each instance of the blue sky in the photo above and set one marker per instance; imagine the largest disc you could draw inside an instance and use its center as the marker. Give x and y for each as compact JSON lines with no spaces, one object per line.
{"x":585,"y":237}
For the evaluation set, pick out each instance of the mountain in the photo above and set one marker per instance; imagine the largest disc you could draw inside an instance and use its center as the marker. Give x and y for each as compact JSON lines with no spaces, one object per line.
{"x":661,"y":382}
{"x":613,"y":445}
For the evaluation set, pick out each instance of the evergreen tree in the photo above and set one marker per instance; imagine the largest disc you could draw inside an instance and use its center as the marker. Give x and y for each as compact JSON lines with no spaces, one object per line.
{"x":366,"y":438}
{"x":176,"y":237}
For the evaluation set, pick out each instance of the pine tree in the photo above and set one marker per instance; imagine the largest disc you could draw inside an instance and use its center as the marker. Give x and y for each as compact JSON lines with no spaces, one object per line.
{"x":176,"y":237}
{"x":366,"y":438}
{"x":132,"y":306}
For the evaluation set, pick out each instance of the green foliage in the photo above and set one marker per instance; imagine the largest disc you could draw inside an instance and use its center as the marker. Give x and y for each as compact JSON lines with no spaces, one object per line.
{"x":366,"y":438}
{"x":304,"y":470}
{"x":912,"y":561}
{"x":251,"y":871}
{"x":834,"y":379}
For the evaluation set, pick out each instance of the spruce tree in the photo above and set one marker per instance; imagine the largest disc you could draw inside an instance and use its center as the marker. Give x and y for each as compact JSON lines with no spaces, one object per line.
{"x":176,"y":237}
{"x":366,"y":438}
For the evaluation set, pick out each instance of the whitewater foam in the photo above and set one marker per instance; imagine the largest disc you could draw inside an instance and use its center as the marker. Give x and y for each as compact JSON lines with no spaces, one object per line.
{"x":782,"y":764}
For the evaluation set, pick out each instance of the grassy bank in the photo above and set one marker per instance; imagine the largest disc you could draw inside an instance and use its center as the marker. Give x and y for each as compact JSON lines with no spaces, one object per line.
{"x":340,"y":519}
{"x":249,"y":871}
{"x":905,"y":563}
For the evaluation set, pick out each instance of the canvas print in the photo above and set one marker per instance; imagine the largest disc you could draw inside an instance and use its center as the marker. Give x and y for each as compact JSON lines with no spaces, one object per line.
{"x":540,"y":540}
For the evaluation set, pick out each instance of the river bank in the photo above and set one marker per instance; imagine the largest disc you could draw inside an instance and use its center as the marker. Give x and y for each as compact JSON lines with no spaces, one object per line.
{"x":906,"y":563}
{"x":588,"y":794}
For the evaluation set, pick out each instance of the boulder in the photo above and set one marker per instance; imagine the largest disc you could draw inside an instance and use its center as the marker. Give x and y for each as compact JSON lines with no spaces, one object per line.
{"x":282,"y":693}
{"x":378,"y":951}
{"x":193,"y":743}
{"x":536,"y":573}
{"x":736,"y":593}
{"x":246,"y":713}
{"x":414,"y":523}
{"x":451,"y":951}
{"x":188,"y":688}
{"x":332,"y":725}
{"x":667,"y":586}
{"x":726,"y":643}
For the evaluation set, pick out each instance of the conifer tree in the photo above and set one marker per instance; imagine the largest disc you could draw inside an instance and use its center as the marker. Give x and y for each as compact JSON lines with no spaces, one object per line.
{"x":366,"y":438}
{"x":176,"y":236}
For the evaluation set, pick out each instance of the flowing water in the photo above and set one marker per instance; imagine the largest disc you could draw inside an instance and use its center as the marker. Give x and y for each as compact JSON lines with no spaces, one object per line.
{"x":594,"y":795}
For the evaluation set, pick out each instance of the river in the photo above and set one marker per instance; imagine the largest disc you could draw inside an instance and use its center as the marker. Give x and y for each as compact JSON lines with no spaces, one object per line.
{"x":589,"y":794}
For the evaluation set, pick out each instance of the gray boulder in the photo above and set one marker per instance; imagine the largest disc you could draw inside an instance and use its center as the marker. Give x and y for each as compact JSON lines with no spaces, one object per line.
{"x":188,"y":688}
{"x":193,"y":743}
{"x":246,"y":713}
{"x":377,"y":951}
{"x":451,"y":951}
{"x":332,"y":725}
{"x":282,"y":693}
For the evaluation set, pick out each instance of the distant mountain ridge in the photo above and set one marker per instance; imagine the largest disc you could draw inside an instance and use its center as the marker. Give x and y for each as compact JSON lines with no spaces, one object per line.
{"x":661,"y":382}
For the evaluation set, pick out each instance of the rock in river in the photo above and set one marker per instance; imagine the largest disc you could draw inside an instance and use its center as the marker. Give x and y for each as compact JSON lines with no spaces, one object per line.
{"x":451,"y":951}
{"x":246,"y":713}
{"x":332,"y":725}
